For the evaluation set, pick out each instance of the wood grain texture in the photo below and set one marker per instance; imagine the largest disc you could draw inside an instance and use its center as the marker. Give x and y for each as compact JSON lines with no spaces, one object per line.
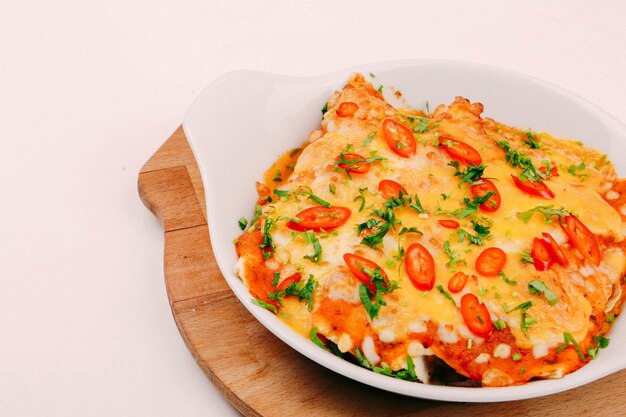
{"x":254,"y":370}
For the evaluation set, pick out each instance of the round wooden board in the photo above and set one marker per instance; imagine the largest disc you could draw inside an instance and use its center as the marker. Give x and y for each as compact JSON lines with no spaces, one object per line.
{"x":258,"y":373}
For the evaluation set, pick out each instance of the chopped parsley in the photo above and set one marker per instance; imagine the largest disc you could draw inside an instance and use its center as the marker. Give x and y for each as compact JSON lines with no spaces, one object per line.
{"x":516,"y":357}
{"x":482,"y":232}
{"x":455,"y":256}
{"x":258,"y":211}
{"x":308,"y":192}
{"x":410,"y":230}
{"x":277,"y":176}
{"x":445,"y":293}
{"x":567,"y":339}
{"x":547,"y":211}
{"x":525,"y":257}
{"x":471,"y":206}
{"x":499,"y":324}
{"x":361,"y":197}
{"x":315,"y":338}
{"x":610,"y":318}
{"x":471,"y":174}
{"x":276,"y":278}
{"x":268,"y":242}
{"x":243,"y":222}
{"x":578,"y":171}
{"x":263,"y":304}
{"x":302,"y":290}
{"x":282,"y":193}
{"x":525,"y":322}
{"x":310,"y":237}
{"x":516,"y":158}
{"x":407,"y":374}
{"x":539,"y":287}
{"x":532,"y":141}
{"x":373,"y":301}
{"x":332,"y":188}
{"x":295,"y":152}
{"x":325,"y":108}
{"x":369,"y":138}
{"x":398,"y":257}
{"x":506,"y":279}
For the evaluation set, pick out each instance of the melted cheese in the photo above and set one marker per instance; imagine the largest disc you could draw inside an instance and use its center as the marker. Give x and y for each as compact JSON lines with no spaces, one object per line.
{"x":409,"y":313}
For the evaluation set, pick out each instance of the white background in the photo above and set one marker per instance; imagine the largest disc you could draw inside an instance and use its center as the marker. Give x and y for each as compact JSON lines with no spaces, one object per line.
{"x":90,"y":89}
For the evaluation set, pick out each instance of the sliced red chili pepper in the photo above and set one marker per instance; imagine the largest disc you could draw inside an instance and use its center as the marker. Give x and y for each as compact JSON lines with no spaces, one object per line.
{"x":490,"y":262}
{"x":459,"y":151}
{"x":420,"y":267}
{"x":541,"y":254}
{"x":457,"y":282}
{"x":347,"y":109}
{"x":291,"y":279}
{"x":582,"y":238}
{"x":482,"y":189}
{"x":449,"y":223}
{"x":390,"y":188}
{"x":318,"y":217}
{"x":555,"y":249}
{"x":354,"y":163}
{"x":357,"y":266}
{"x":399,"y":138}
{"x":536,"y":188}
{"x":476,"y":316}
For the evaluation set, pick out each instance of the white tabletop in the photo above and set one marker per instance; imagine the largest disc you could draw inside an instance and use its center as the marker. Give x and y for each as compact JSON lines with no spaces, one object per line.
{"x":90,"y":89}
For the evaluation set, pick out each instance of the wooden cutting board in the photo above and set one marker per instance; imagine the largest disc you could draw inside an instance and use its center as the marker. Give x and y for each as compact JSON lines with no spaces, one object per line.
{"x":253,"y":369}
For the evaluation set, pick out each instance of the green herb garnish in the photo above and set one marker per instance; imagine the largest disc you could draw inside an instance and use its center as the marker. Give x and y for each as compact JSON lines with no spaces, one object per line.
{"x":539,"y":287}
{"x":243,"y":222}
{"x":445,"y":294}
{"x":567,"y":339}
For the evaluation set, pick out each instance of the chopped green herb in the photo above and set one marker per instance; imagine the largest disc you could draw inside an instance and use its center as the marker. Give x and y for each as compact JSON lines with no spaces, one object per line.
{"x":369,"y":138}
{"x":362,"y":359}
{"x":372,"y":75}
{"x":547,"y":211}
{"x":268,"y":242}
{"x":263,"y":304}
{"x":482,"y":232}
{"x":516,"y":357}
{"x":375,"y":240}
{"x":258,"y":211}
{"x":506,"y":279}
{"x":380,"y":89}
{"x":525,"y":257}
{"x":276,"y":278}
{"x":539,"y":287}
{"x":517,"y":158}
{"x":398,"y":257}
{"x":471,"y":174}
{"x":295,"y":152}
{"x":427,"y":107}
{"x":302,"y":290}
{"x":361,"y":197}
{"x":577,"y":171}
{"x":277,"y":176}
{"x":416,"y":205}
{"x":310,"y":237}
{"x":601,"y":341}
{"x":567,"y":339}
{"x":373,"y":301}
{"x":325,"y":108}
{"x":532,"y":141}
{"x":609,"y":318}
{"x":243,"y":222}
{"x":307,"y":191}
{"x":410,"y":230}
{"x":455,"y":256}
{"x":332,"y":188}
{"x":406,"y":374}
{"x":526,"y":321}
{"x":471,"y":206}
{"x":315,"y":338}
{"x":499,"y":324}
{"x":445,"y":294}
{"x":282,"y":193}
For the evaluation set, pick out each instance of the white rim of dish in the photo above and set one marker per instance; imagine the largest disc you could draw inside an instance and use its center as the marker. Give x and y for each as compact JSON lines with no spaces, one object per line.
{"x":304,"y":346}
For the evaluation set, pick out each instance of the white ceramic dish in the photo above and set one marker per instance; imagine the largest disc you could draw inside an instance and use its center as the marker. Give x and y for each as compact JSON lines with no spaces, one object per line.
{"x":241,"y":123}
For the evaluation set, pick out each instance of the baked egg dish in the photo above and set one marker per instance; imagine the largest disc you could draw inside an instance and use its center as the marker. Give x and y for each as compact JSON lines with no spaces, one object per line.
{"x":439,"y":247}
